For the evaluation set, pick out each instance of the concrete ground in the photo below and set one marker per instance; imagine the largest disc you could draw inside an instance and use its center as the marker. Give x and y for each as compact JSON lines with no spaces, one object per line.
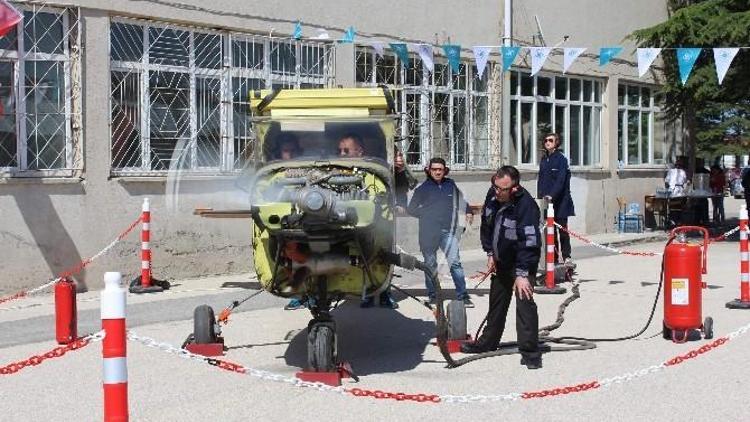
{"x":392,"y":351}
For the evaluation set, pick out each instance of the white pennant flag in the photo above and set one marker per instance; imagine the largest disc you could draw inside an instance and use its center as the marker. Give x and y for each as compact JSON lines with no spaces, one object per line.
{"x":538,"y":57}
{"x":379,"y":48}
{"x":425,"y":53}
{"x":481,"y":54}
{"x":570,"y":55}
{"x":646,"y":57}
{"x":723,"y":58}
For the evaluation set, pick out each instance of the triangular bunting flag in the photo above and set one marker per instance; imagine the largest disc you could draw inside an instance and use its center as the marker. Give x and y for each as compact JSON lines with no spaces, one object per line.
{"x":425,"y":53}
{"x":379,"y":48}
{"x":723,"y":58}
{"x":538,"y":57}
{"x":509,"y":56}
{"x":646,"y":57}
{"x":453,"y":52}
{"x":570,"y":55}
{"x":9,"y":17}
{"x":686,"y":58}
{"x":481,"y":54}
{"x":348,"y":35}
{"x":606,"y":54}
{"x":402,"y":52}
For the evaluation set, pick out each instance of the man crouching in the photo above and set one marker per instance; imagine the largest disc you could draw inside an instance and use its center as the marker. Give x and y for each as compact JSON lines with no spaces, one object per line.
{"x":510,"y":236}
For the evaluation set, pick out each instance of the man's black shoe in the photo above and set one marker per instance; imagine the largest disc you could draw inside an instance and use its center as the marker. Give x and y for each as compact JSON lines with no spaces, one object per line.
{"x":531,"y":363}
{"x":477,"y":348}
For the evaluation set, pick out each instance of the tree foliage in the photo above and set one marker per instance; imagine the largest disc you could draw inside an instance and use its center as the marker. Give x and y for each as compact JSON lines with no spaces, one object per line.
{"x":711,"y":112}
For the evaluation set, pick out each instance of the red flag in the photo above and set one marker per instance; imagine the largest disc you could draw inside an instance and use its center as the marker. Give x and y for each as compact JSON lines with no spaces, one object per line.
{"x":9,"y":17}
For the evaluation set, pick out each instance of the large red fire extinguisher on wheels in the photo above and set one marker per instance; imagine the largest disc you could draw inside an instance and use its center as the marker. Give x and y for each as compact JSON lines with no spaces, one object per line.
{"x":684,"y":266}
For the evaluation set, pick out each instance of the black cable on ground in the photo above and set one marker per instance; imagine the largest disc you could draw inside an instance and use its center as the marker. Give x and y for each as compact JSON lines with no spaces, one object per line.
{"x":650,"y":317}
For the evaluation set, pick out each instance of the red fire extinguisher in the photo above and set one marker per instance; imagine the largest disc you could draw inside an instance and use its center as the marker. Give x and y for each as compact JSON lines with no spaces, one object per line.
{"x":66,"y":320}
{"x":684,"y":265}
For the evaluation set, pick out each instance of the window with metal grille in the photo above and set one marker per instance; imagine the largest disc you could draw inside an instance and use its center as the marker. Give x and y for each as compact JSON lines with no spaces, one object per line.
{"x":544,"y":103}
{"x":36,"y":107}
{"x":180,"y":96}
{"x":441,"y":113}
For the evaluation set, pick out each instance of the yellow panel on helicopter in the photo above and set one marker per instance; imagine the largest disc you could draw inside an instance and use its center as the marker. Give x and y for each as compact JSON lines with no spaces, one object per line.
{"x":370,"y":99}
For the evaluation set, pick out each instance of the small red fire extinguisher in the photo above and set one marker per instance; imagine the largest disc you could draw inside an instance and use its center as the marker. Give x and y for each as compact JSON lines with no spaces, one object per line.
{"x":684,"y":266}
{"x":66,"y":320}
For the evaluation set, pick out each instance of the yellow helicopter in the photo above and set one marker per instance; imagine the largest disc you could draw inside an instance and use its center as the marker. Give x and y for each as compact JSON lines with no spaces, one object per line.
{"x":322,"y":195}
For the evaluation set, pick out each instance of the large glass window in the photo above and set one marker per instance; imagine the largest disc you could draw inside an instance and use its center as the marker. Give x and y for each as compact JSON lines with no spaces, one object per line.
{"x":443,"y":113}
{"x":546,"y":103}
{"x":36,"y":135}
{"x":180,"y":96}
{"x":641,"y":127}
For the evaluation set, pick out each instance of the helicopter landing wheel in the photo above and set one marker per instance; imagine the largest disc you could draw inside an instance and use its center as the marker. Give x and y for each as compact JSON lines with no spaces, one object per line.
{"x":204,"y":325}
{"x":321,"y":347}
{"x":456,"y":316}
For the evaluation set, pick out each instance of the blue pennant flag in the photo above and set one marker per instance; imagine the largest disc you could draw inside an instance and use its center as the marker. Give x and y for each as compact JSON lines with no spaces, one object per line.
{"x":606,"y":54}
{"x":453,"y":52}
{"x":402,"y":52}
{"x":509,"y":56}
{"x":297,"y":31}
{"x":686,"y":58}
{"x":348,"y":35}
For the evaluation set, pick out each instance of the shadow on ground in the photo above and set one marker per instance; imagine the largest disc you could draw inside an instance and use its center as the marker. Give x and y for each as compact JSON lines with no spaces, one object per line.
{"x":374,"y":340}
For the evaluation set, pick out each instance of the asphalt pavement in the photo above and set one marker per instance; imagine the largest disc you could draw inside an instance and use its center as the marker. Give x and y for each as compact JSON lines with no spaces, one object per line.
{"x":393,"y":351}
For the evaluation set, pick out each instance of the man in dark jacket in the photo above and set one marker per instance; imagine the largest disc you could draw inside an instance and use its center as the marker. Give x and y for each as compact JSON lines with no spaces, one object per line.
{"x":554,"y":185}
{"x":745,"y":172}
{"x":510,"y":236}
{"x":438,"y":204}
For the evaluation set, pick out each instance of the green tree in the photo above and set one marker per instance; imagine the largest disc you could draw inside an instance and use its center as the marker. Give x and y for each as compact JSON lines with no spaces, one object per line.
{"x":710,"y":112}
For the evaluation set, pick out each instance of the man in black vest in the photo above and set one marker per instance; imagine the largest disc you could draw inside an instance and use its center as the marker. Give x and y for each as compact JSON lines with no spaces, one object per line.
{"x":510,"y":236}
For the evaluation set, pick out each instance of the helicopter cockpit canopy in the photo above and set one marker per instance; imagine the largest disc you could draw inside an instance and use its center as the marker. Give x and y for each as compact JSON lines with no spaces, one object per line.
{"x":313,"y":139}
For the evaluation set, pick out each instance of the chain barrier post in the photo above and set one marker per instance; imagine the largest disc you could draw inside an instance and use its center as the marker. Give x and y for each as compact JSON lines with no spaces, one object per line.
{"x":145,"y":285}
{"x":114,"y":348}
{"x":744,"y":301}
{"x":66,"y":320}
{"x":549,"y":283}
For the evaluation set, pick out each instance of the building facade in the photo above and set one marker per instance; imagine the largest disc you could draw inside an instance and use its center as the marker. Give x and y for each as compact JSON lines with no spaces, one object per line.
{"x":105,"y":103}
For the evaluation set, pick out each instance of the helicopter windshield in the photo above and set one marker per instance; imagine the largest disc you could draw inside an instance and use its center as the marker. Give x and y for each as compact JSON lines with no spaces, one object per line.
{"x":315,"y":140}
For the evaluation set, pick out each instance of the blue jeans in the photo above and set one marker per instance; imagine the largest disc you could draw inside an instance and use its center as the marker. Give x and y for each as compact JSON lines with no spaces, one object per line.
{"x":449,"y":245}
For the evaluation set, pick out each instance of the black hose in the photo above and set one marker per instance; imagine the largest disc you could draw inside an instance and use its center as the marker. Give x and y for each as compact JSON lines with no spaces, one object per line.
{"x":650,"y":317}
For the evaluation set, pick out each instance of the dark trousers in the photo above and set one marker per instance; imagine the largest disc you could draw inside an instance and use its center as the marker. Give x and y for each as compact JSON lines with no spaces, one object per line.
{"x":564,"y":238}
{"x":527,"y":318}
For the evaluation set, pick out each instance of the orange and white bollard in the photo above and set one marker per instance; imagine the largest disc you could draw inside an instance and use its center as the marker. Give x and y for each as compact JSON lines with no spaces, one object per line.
{"x":114,"y":348}
{"x":549,"y":282}
{"x":145,"y":244}
{"x":744,"y":301}
{"x":146,"y":281}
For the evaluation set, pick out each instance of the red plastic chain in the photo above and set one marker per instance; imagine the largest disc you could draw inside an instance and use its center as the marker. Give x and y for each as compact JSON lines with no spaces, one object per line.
{"x":558,"y":391}
{"x":76,"y":269}
{"x":696,"y":352}
{"x":720,"y":238}
{"x":378,"y":394}
{"x":226,"y":365}
{"x":583,"y":239}
{"x":37,"y":359}
{"x":83,"y":264}
{"x":12,"y":297}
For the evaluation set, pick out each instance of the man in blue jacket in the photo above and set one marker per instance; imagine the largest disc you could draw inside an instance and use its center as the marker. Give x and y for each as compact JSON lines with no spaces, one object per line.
{"x":438,"y":204}
{"x":510,"y":235}
{"x":554,"y":185}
